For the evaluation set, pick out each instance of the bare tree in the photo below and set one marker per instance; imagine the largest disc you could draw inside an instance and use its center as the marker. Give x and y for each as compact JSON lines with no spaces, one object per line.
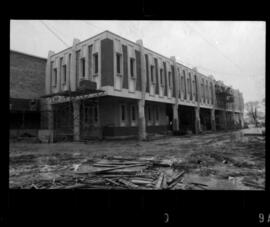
{"x":252,"y":111}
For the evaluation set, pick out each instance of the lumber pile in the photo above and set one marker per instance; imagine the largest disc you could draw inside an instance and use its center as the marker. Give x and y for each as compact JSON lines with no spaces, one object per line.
{"x":115,"y":173}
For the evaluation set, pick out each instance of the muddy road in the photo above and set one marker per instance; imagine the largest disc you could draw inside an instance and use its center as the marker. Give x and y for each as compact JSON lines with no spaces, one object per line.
{"x":214,"y":161}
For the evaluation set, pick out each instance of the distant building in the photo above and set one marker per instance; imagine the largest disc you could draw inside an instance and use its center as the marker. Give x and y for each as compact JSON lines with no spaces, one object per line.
{"x":27,"y":82}
{"x":135,"y":92}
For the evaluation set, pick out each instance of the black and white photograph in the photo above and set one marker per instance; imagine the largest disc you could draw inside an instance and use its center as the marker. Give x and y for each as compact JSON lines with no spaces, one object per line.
{"x":137,"y":105}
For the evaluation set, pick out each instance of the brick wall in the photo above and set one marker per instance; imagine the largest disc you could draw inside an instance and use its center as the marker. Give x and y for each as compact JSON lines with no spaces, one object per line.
{"x":27,"y":76}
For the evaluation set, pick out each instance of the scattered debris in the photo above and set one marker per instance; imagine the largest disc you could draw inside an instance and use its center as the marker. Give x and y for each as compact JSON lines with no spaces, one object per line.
{"x":215,"y":161}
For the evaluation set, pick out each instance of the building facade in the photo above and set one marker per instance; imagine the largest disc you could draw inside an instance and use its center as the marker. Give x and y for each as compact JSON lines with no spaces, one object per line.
{"x":27,"y":81}
{"x":137,"y":92}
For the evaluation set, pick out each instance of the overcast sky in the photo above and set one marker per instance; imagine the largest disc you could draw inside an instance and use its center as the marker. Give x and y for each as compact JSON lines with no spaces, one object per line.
{"x":231,"y":51}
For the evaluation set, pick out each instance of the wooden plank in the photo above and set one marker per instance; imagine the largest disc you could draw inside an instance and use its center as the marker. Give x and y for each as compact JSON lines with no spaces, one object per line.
{"x":119,"y":167}
{"x":174,"y":181}
{"x":112,"y":181}
{"x":75,"y":186}
{"x":176,"y":177}
{"x":159,"y":182}
{"x":128,"y":184}
{"x":164,"y":182}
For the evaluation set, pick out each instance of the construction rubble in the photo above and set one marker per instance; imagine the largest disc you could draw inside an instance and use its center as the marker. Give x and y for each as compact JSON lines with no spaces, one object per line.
{"x":222,"y":161}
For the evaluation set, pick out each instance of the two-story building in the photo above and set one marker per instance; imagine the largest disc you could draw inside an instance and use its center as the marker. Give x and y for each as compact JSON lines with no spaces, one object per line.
{"x":108,"y":86}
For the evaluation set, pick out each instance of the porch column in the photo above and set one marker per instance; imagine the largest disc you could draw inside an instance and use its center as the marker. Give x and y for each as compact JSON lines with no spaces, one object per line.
{"x":241,"y":120}
{"x":197,"y":120}
{"x":175,"y":105}
{"x":76,"y":120}
{"x":213,"y":120}
{"x":50,"y":116}
{"x":141,"y":102}
{"x":175,"y":118}
{"x":224,"y":119}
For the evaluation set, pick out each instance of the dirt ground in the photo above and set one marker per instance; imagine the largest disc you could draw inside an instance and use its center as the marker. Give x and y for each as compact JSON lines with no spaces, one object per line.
{"x":212,"y":161}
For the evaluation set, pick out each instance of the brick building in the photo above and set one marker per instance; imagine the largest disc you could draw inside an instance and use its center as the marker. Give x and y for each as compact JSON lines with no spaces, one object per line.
{"x":27,"y":81}
{"x":108,"y":86}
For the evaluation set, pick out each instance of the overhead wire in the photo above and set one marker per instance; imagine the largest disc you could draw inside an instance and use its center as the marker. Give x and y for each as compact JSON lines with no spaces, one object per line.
{"x":214,"y":46}
{"x":54,"y":33}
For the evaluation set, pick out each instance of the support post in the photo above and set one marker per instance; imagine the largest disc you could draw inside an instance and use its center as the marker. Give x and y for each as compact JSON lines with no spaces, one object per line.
{"x":175,"y":105}
{"x":224,"y":120}
{"x":241,"y":120}
{"x":141,"y":102}
{"x":197,"y":120}
{"x":76,"y":120}
{"x":213,"y":120}
{"x":50,"y":121}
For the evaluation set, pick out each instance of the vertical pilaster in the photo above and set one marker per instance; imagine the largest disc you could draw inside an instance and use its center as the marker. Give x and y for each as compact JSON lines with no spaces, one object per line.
{"x":73,"y":78}
{"x":175,"y":105}
{"x":76,"y":120}
{"x":141,"y":102}
{"x":48,"y":76}
{"x":197,"y":120}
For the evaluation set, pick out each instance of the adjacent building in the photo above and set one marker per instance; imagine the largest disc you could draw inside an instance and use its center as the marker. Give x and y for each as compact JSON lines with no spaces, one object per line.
{"x":27,"y":82}
{"x":108,"y":86}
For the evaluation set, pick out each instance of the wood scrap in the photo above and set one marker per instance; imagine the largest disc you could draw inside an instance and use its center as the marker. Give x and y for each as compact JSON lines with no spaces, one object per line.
{"x":253,"y":184}
{"x":164,"y":182}
{"x":128,"y":184}
{"x":112,"y":182}
{"x":174,"y":181}
{"x":159,"y":181}
{"x":75,"y":186}
{"x":118,"y":167}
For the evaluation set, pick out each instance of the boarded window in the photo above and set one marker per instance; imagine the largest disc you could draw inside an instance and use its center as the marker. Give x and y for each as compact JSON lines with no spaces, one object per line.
{"x":149,"y":113}
{"x":95,"y":113}
{"x":132,"y":67}
{"x":69,"y":64}
{"x":77,"y":62}
{"x":118,"y":62}
{"x":188,"y":87}
{"x":170,"y":79}
{"x":55,"y":76}
{"x":190,"y":83}
{"x":182,"y":83}
{"x":96,"y":63}
{"x":83,"y":67}
{"x":152,"y":73}
{"x":161,"y":76}
{"x":157,"y":113}
{"x":185,"y":89}
{"x":123,"y":112}
{"x":133,"y":113}
{"x":64,"y":71}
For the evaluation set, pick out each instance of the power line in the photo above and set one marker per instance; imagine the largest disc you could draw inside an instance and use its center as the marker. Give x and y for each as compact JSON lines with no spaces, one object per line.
{"x":214,"y":46}
{"x":54,"y":33}
{"x":204,"y":68}
{"x":88,"y":23}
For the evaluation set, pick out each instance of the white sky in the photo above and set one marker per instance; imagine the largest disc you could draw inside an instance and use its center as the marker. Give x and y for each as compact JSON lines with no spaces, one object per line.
{"x":231,"y":51}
